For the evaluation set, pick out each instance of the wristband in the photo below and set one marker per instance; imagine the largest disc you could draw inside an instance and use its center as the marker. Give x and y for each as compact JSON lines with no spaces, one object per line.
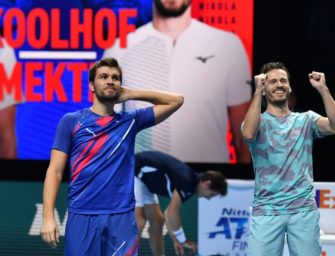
{"x":180,"y":235}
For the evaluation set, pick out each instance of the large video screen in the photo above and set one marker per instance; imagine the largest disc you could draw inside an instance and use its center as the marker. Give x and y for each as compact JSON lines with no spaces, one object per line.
{"x":47,"y":47}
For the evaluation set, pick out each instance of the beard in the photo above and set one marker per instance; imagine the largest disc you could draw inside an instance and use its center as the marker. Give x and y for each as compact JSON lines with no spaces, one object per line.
{"x":278,"y":103}
{"x":107,"y":98}
{"x":170,"y":13}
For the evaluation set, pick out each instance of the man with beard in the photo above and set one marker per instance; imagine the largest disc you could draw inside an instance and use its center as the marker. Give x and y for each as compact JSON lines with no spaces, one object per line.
{"x":280,"y":143}
{"x":99,"y":144}
{"x":208,"y":66}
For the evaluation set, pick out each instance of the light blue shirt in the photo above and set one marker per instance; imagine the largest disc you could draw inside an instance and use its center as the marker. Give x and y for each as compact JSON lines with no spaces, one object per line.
{"x":283,"y":164}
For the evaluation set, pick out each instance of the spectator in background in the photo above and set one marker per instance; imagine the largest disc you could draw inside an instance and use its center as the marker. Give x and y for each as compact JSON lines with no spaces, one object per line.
{"x":207,"y":65}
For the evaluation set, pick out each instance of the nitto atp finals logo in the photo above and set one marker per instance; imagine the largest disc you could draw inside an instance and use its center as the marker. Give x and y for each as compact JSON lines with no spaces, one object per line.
{"x":233,"y":226}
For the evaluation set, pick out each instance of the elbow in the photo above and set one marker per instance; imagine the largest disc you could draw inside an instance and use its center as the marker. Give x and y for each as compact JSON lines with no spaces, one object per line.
{"x":180,"y":100}
{"x":249,"y":132}
{"x":177,"y":102}
{"x":332,"y":125}
{"x":248,"y":136}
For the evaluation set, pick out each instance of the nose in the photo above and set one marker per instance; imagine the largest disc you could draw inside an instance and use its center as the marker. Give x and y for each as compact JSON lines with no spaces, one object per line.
{"x":279,"y":84}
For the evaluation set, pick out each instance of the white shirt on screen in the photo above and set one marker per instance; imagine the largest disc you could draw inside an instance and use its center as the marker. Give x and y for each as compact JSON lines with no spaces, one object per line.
{"x":208,"y":66}
{"x":7,"y":60}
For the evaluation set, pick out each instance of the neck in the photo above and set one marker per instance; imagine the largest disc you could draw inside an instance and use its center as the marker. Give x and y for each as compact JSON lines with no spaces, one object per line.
{"x":102,"y":109}
{"x":173,"y":26}
{"x":279,"y":111}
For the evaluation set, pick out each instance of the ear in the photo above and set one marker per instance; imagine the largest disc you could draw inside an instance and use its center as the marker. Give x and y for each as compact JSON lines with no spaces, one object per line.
{"x":207,"y":184}
{"x":92,"y":87}
{"x":290,"y":90}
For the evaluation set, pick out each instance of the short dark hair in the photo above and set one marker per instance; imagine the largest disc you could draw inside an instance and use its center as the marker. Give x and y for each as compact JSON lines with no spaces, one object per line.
{"x":106,"y":62}
{"x":275,"y":65}
{"x":218,"y":181}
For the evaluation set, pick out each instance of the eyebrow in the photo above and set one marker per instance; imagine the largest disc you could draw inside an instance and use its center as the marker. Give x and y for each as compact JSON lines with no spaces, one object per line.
{"x":107,"y":74}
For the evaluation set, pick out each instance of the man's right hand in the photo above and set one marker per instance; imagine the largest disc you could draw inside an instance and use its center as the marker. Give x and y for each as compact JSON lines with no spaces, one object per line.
{"x":124,"y":94}
{"x":260,"y":82}
{"x":50,"y":232}
{"x":180,"y":248}
{"x":191,"y":245}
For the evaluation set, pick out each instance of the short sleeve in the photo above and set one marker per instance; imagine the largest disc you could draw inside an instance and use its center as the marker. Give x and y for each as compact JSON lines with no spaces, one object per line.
{"x":144,"y":117}
{"x":63,"y":137}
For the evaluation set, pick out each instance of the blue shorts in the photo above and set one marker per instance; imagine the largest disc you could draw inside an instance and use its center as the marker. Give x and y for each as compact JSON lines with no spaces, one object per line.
{"x":302,"y":230}
{"x":103,"y":234}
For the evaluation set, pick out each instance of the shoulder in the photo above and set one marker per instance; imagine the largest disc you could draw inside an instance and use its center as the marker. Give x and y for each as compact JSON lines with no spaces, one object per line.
{"x":141,"y":112}
{"x":73,"y":117}
{"x":306,"y":115}
{"x":313,"y":115}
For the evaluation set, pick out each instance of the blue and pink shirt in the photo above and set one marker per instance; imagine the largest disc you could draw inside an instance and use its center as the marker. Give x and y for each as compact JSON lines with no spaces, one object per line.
{"x":101,"y":153}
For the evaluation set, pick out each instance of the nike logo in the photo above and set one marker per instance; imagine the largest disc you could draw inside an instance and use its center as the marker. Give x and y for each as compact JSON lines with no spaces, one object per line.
{"x":204,"y":59}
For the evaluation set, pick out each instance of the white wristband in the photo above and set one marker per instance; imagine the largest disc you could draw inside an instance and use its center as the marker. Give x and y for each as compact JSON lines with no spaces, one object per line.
{"x":180,"y":235}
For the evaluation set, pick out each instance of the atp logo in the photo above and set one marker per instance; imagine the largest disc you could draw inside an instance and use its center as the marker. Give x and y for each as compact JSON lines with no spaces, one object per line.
{"x":232,"y":228}
{"x":233,"y":224}
{"x":325,"y":198}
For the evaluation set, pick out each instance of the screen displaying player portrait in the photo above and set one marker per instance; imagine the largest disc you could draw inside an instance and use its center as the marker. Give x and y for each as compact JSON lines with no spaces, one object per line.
{"x":47,"y":47}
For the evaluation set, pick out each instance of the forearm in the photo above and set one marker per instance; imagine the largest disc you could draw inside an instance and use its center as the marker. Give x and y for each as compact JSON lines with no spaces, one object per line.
{"x":155,"y":96}
{"x":173,"y":223}
{"x":329,"y":105}
{"x":51,"y":187}
{"x":253,"y":117}
{"x":165,"y":103}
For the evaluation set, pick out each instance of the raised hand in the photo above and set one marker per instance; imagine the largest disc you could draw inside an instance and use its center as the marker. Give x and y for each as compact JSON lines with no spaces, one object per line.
{"x":124,"y":94}
{"x":317,"y":80}
{"x":260,"y":82}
